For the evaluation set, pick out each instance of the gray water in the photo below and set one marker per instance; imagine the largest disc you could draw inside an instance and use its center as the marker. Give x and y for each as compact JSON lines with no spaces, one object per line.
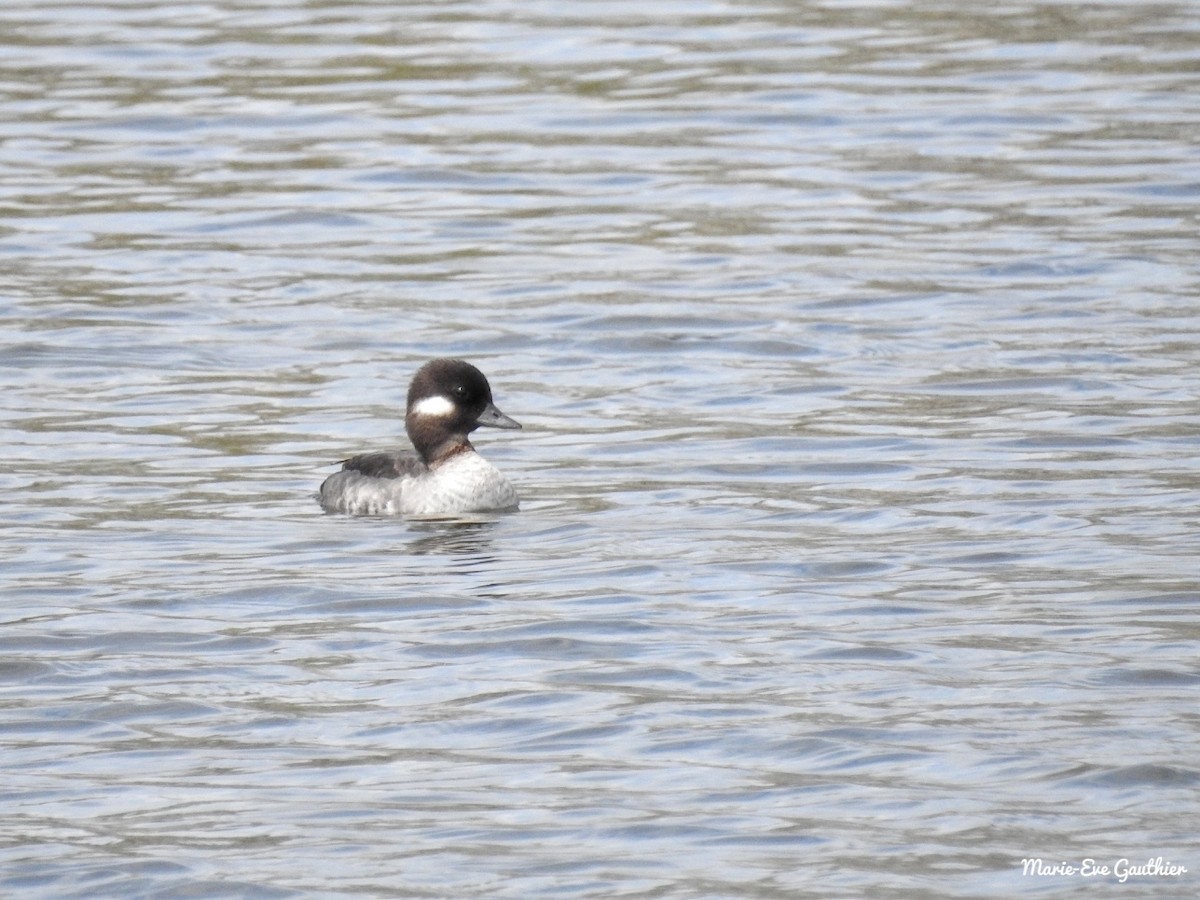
{"x":856,"y":345}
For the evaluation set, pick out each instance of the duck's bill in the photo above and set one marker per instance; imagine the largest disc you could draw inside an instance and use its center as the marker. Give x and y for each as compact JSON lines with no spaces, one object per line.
{"x":493,"y":418}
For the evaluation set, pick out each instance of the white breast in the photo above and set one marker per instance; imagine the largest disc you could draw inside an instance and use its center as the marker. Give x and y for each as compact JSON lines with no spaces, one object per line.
{"x":465,"y":482}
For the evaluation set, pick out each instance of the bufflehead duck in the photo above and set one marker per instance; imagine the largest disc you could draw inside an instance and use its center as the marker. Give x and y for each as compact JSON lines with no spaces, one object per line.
{"x":443,"y":475}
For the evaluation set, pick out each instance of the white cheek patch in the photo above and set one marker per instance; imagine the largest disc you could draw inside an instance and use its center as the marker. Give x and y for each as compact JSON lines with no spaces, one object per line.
{"x":436,"y":407}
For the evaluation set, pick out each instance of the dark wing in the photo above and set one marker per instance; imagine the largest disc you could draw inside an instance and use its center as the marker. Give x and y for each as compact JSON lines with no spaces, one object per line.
{"x":384,"y":465}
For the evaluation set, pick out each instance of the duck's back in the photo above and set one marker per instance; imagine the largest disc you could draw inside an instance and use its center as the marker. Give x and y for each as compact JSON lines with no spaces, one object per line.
{"x":370,"y":484}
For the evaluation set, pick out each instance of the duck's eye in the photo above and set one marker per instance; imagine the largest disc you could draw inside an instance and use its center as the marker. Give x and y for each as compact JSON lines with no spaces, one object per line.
{"x":461,"y":392}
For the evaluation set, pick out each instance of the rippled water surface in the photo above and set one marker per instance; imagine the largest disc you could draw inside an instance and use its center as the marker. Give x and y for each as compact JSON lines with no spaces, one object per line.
{"x":856,"y":346}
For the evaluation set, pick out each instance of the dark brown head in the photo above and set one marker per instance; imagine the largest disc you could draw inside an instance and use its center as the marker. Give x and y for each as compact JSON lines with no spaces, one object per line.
{"x":447,"y":400}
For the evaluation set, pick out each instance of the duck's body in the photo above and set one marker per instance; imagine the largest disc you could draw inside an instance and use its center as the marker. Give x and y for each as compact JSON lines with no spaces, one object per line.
{"x":442,"y":475}
{"x":391,"y":484}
